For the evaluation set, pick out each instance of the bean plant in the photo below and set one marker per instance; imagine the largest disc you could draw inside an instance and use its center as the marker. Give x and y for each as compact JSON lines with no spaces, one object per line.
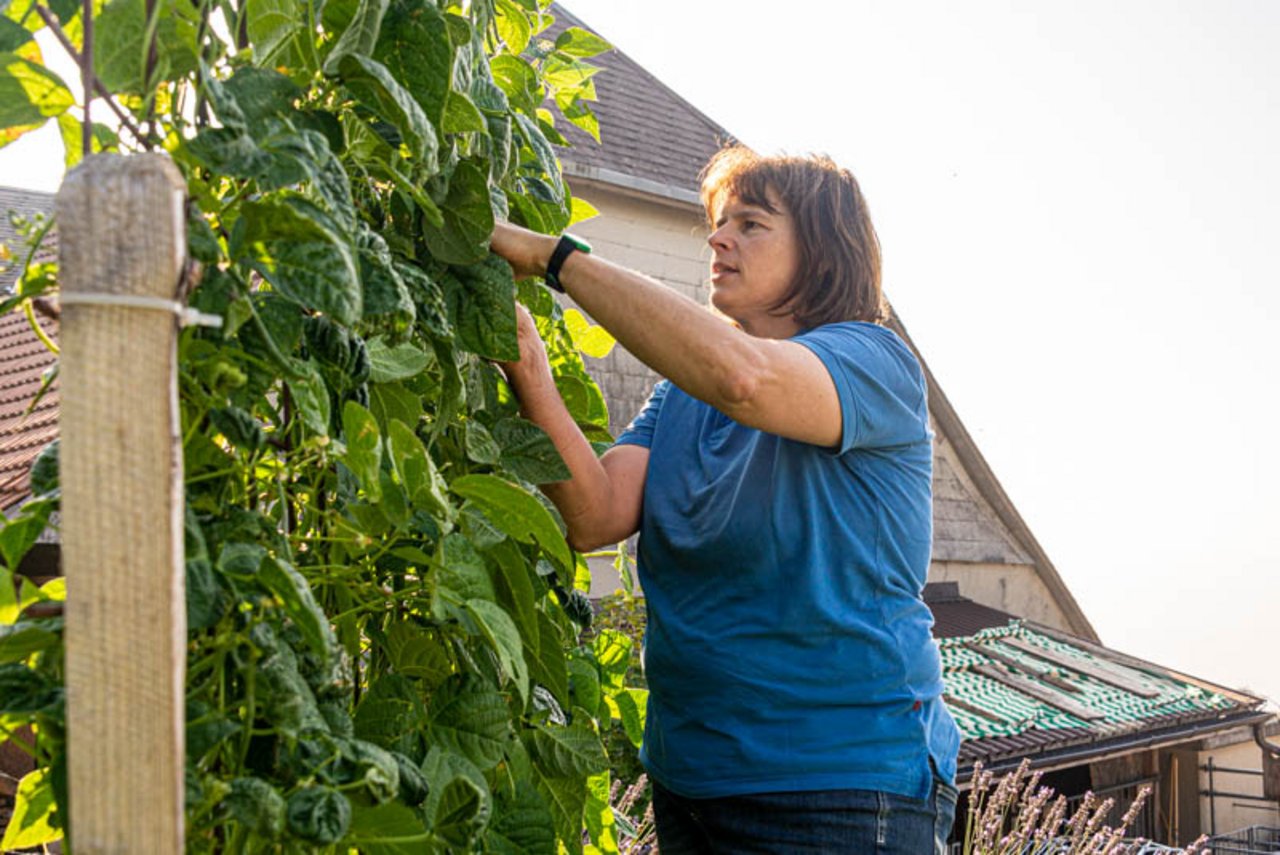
{"x":385,"y":620}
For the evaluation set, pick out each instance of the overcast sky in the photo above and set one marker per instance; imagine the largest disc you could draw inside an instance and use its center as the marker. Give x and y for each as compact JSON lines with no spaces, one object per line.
{"x":1080,"y":210}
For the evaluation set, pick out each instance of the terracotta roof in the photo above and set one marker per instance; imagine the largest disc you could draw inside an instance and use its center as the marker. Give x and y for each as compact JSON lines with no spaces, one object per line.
{"x":23,"y":434}
{"x":955,"y":616}
{"x":647,"y":131}
{"x":1018,"y":689}
{"x":23,"y":203}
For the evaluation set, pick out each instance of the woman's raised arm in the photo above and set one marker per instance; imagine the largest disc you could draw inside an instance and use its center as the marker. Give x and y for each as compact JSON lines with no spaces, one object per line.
{"x":601,"y":500}
{"x":773,"y":385}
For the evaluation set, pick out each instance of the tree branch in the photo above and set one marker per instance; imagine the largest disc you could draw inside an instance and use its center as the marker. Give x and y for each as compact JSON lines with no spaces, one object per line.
{"x":52,"y":23}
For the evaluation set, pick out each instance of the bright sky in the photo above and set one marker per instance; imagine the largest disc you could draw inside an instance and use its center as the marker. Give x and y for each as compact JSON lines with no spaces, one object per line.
{"x":1080,"y":210}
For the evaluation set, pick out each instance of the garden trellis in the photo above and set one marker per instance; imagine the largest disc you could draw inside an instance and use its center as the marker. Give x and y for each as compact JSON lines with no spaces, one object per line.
{"x":381,"y":624}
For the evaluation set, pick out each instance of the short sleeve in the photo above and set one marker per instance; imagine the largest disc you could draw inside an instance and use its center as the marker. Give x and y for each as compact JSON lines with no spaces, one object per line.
{"x":879,"y":381}
{"x":640,"y":431}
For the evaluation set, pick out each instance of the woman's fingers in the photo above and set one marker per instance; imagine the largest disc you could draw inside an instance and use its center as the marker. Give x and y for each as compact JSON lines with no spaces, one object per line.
{"x":527,"y":252}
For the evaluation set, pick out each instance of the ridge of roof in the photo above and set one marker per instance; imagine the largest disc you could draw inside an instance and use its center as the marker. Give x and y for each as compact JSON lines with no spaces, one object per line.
{"x":993,"y":492}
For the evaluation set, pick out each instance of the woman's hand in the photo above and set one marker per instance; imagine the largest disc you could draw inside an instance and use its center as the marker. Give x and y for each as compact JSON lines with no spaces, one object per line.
{"x":533,"y":353}
{"x":527,"y":252}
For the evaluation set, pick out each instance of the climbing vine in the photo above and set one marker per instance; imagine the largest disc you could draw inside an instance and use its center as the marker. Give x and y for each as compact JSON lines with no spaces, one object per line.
{"x":385,"y":621}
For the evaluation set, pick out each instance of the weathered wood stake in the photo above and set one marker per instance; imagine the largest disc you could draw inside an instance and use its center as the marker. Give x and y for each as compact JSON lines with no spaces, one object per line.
{"x":121,"y":231}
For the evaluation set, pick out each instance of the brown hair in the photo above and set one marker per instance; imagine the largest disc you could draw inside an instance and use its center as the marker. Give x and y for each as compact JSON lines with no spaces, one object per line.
{"x":839,"y":272}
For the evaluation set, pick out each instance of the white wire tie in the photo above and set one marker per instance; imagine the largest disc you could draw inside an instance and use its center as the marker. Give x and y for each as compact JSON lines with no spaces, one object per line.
{"x":186,"y":315}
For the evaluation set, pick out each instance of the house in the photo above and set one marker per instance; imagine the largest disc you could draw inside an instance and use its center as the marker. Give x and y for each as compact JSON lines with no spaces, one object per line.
{"x":1027,"y":675}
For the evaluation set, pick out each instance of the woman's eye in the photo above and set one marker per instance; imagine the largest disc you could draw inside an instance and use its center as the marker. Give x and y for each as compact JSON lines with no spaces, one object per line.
{"x":749,"y":225}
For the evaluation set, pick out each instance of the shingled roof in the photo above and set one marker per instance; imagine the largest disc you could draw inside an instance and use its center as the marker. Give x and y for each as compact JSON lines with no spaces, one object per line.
{"x":651,"y":139}
{"x":22,"y":203}
{"x":1018,"y":689}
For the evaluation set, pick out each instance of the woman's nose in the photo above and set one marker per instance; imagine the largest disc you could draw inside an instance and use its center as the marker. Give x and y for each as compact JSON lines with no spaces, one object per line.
{"x":719,"y":238}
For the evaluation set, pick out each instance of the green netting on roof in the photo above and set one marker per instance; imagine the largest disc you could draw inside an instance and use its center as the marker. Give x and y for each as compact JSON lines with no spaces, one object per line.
{"x":1010,"y":710}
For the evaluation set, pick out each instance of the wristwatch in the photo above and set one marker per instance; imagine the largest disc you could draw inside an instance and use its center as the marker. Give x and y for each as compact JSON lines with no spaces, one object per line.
{"x":568,"y":245}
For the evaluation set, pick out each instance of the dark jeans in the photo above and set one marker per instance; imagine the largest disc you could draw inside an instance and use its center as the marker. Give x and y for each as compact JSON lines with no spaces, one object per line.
{"x":826,"y":821}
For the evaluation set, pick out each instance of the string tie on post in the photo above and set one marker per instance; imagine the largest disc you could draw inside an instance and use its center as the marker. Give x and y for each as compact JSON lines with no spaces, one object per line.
{"x":186,"y":315}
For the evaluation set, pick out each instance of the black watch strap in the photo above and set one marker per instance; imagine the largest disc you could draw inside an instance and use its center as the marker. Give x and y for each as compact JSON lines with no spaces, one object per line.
{"x":567,"y":246}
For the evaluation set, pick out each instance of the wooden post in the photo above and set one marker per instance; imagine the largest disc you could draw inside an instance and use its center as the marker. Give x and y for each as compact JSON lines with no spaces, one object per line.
{"x":121,"y":231}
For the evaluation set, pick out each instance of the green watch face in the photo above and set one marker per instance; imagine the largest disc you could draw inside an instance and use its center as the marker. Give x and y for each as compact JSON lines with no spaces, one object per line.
{"x":579,"y":243}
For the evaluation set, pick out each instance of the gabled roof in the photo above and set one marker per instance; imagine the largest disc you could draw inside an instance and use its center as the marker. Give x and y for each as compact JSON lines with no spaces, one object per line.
{"x":1018,"y":689}
{"x":651,"y":139}
{"x":984,"y":480}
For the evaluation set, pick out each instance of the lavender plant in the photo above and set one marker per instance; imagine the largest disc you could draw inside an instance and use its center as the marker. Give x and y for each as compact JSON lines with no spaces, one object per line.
{"x":1017,"y":816}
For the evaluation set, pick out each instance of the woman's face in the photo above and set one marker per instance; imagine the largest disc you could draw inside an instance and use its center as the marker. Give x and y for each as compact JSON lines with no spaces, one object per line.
{"x":756,"y":255}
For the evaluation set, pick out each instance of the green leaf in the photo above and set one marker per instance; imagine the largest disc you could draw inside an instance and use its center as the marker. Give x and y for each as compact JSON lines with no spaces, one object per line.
{"x":613,"y":655}
{"x":580,"y":210}
{"x":459,"y":802}
{"x":296,"y":248}
{"x":417,"y":471}
{"x":21,"y":639}
{"x":389,"y":829}
{"x":463,"y":238}
{"x":319,"y":814}
{"x":584,"y":682}
{"x":547,"y":664}
{"x":394,"y":362}
{"x":12,"y":35}
{"x":32,"y":822}
{"x":279,"y":35}
{"x":542,"y":151}
{"x":461,"y":115}
{"x":29,"y":94}
{"x":501,"y":633}
{"x":518,"y":80}
{"x":462,"y":570}
{"x":416,"y":653}
{"x":390,"y":401}
{"x":310,"y":396}
{"x":513,"y":27}
{"x":471,"y":718}
{"x":591,"y":339}
{"x":515,"y":512}
{"x":23,"y":691}
{"x":482,"y":305}
{"x":240,"y":560}
{"x":288,"y":584}
{"x":480,"y":445}
{"x":631,"y":706}
{"x":364,"y":447}
{"x":514,"y":590}
{"x":414,"y":45}
{"x":598,"y":813}
{"x":521,"y":824}
{"x":120,"y":44}
{"x":372,"y":84}
{"x":576,"y":41}
{"x":566,"y":797}
{"x":528,"y":453}
{"x":360,"y":36}
{"x":19,"y":534}
{"x":392,"y":716}
{"x":261,"y":93}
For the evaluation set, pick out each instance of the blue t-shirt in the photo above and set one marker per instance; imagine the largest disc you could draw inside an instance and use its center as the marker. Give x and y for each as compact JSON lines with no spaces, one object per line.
{"x":788,"y":647}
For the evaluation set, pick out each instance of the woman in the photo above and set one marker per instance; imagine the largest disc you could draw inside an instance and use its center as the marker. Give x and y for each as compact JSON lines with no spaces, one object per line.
{"x":780,"y":480}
